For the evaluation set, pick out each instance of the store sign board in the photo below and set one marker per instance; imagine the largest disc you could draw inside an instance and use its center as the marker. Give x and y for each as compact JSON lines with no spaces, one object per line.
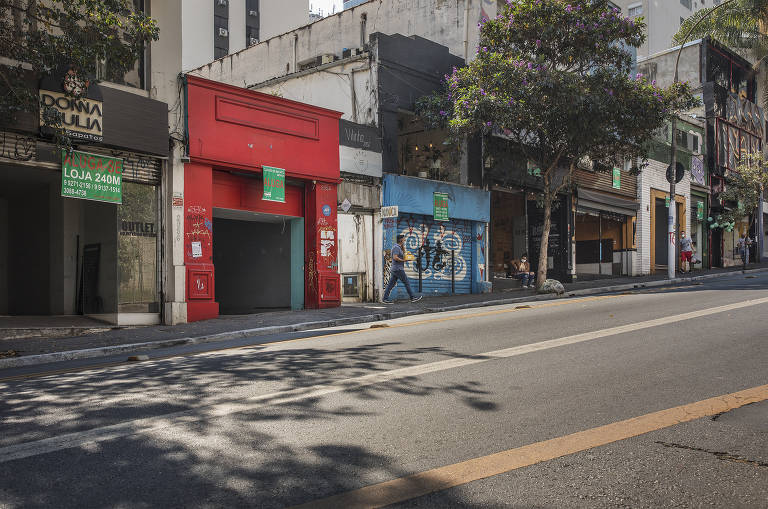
{"x":82,"y":118}
{"x":697,"y":170}
{"x":700,"y":210}
{"x":274,"y":184}
{"x":440,"y":210}
{"x":91,"y":177}
{"x":389,"y":212}
{"x":616,"y":178}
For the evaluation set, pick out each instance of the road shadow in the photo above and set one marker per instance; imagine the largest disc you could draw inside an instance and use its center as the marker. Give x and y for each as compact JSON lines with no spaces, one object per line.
{"x":238,"y":458}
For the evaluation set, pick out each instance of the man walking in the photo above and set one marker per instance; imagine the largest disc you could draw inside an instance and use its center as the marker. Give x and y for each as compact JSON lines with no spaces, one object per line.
{"x":397,"y":271}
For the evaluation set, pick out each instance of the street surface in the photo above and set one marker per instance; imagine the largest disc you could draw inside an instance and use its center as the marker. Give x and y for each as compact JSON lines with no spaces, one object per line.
{"x":650,"y":398}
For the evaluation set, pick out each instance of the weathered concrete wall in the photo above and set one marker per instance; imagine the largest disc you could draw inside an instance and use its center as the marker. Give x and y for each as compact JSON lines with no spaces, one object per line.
{"x":441,"y":21}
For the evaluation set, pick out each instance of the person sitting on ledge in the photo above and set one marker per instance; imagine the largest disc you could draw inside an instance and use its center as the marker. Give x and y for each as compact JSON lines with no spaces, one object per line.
{"x":522,"y":271}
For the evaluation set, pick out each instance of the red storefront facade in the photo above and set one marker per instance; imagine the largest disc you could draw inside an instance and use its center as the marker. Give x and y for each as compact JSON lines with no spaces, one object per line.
{"x":233,"y":133}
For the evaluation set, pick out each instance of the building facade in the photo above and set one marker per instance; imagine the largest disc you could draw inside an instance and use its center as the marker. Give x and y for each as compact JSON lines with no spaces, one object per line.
{"x":80,"y":230}
{"x":260,"y":226}
{"x":734,"y":126}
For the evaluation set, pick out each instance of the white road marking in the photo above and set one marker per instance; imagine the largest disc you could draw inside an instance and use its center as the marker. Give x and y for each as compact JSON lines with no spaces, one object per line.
{"x":81,"y":438}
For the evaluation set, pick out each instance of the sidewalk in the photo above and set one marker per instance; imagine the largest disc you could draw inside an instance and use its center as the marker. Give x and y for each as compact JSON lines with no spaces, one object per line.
{"x":29,"y":351}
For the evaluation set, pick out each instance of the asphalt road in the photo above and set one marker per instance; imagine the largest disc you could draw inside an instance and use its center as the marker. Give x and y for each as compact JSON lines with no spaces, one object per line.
{"x":652,"y":398}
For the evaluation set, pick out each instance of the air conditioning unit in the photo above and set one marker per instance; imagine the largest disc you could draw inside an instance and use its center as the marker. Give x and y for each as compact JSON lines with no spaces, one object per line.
{"x":253,"y":13}
{"x":222,"y":3}
{"x":223,"y":32}
{"x":252,"y":41}
{"x":326,"y":58}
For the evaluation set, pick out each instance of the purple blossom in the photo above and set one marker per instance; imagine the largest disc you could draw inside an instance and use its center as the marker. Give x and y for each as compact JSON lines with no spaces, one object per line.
{"x":489,"y":124}
{"x":443,"y":113}
{"x":538,"y":43}
{"x":568,"y":8}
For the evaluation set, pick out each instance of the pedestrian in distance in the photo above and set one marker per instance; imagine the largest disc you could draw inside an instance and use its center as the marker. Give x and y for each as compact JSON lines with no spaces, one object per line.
{"x":523,"y":272}
{"x":744,"y":243}
{"x":397,"y":271}
{"x":686,"y":252}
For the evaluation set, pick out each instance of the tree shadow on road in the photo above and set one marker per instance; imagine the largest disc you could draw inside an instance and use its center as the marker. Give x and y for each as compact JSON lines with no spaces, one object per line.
{"x":242,"y":457}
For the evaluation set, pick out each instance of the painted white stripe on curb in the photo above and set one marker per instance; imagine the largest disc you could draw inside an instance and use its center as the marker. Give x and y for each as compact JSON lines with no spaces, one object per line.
{"x":69,"y":440}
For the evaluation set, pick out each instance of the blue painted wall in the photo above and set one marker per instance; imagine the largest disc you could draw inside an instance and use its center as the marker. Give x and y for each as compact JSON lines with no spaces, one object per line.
{"x":464,"y":233}
{"x":415,"y":196}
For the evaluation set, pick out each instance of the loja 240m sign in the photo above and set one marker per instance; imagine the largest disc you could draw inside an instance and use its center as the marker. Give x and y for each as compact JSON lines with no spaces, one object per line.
{"x":91,"y":177}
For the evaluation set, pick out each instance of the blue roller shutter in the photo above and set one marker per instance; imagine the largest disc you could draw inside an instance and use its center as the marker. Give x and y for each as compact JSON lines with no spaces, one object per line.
{"x":437,"y":239}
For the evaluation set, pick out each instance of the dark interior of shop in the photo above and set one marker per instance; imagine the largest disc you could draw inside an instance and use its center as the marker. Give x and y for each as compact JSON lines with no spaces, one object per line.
{"x":252,"y":263}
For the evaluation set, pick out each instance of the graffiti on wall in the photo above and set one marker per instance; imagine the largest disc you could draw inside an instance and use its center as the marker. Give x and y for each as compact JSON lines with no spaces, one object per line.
{"x":431,"y":244}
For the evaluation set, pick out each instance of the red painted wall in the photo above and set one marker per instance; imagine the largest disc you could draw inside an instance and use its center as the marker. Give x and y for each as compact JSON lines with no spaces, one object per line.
{"x":245,"y":193}
{"x":242,"y":130}
{"x":323,"y":284}
{"x":238,"y":128}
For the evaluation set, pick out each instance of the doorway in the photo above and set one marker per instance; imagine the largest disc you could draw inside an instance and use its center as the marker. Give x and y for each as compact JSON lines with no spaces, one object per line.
{"x":258,"y":259}
{"x":660,"y":249}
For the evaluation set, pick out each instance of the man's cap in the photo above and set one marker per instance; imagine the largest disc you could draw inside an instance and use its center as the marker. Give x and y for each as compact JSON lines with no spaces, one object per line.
{"x":400,"y":237}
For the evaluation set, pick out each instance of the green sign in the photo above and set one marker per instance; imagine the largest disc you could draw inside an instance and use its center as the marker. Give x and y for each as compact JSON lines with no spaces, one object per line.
{"x":700,"y":210}
{"x":91,"y":177}
{"x":666,"y":202}
{"x":616,"y":178}
{"x":274,"y":184}
{"x":440,"y":211}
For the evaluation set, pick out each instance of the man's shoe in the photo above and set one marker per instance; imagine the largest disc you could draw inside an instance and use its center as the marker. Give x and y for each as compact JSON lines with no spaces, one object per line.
{"x":416,"y":299}
{"x":385,"y":301}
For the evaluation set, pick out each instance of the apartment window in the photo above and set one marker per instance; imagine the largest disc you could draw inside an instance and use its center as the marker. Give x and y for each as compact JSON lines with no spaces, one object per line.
{"x":635,"y":10}
{"x":686,"y":4}
{"x":251,"y":22}
{"x":682,"y":20}
{"x":220,"y":28}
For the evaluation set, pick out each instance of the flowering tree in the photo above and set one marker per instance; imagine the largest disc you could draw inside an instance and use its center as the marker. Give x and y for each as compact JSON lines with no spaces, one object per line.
{"x":554,"y":77}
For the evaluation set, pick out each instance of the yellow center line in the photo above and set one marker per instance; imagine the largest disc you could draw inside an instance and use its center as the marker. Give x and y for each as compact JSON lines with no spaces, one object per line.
{"x":438,"y":479}
{"x":314,"y":336}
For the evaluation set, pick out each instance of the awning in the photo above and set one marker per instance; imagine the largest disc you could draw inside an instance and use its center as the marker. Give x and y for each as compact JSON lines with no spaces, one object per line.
{"x":610,"y":203}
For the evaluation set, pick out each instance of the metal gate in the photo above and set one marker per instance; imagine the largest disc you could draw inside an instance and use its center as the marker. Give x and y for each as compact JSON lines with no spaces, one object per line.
{"x":442,"y":253}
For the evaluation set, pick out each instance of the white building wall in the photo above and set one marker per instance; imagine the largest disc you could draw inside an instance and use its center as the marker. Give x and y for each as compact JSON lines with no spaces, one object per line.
{"x":662,"y":18}
{"x":654,"y":177}
{"x":440,"y":21}
{"x":281,"y":16}
{"x":332,"y":88}
{"x":275,"y":17}
{"x":196,"y":28}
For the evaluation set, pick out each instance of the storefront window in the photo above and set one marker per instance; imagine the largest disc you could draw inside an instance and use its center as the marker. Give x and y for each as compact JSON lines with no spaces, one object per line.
{"x":698,"y":230}
{"x":600,"y":243}
{"x":137,"y":250}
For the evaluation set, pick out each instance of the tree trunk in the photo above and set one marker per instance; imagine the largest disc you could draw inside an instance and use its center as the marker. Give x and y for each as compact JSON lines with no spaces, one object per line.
{"x":541,"y":273}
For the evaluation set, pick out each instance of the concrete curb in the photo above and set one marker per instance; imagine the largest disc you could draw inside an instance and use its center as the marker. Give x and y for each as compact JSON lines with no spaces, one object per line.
{"x":88,"y":353}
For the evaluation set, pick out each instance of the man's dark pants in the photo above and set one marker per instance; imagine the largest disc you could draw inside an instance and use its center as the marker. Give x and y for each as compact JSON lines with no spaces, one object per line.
{"x":394,"y":275}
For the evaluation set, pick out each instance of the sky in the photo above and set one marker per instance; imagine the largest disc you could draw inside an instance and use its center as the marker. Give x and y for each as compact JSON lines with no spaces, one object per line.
{"x":325,"y":5}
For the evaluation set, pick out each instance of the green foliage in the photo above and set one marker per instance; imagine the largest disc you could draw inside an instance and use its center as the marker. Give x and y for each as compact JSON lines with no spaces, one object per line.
{"x":743,"y":190}
{"x":554,"y":77}
{"x":42,"y":37}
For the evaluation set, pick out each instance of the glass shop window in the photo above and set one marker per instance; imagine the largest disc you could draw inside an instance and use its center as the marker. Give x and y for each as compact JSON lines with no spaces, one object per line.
{"x":138,"y":231}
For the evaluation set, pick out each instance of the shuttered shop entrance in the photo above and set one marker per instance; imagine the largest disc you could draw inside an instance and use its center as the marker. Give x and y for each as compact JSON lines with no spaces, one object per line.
{"x":435,"y":240}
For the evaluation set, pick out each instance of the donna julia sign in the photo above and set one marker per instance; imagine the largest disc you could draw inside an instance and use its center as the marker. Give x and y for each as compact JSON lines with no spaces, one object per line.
{"x":82,"y":117}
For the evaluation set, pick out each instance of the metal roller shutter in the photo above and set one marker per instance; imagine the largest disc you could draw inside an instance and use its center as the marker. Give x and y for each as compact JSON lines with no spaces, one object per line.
{"x":437,"y":238}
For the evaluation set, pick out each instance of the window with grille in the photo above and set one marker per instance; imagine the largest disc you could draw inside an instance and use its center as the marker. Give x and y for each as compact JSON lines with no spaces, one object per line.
{"x":220,"y":28}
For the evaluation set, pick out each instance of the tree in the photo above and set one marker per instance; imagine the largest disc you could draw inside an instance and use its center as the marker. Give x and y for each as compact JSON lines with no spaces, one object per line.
{"x":554,"y":77}
{"x":743,"y":190}
{"x":739,"y":24}
{"x":42,"y":37}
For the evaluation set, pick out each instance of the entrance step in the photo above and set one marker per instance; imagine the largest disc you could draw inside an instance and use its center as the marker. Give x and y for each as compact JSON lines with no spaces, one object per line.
{"x":18,"y":327}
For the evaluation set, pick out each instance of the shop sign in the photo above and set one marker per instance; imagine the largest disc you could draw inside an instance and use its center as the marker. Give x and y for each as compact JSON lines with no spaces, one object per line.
{"x":666,"y":202}
{"x":137,"y":229}
{"x":389,"y":212}
{"x":700,"y":210}
{"x":616,"y":178}
{"x":274,"y":184}
{"x":346,"y":205}
{"x":440,"y":210}
{"x":91,"y":177}
{"x":697,"y":170}
{"x":82,"y":118}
